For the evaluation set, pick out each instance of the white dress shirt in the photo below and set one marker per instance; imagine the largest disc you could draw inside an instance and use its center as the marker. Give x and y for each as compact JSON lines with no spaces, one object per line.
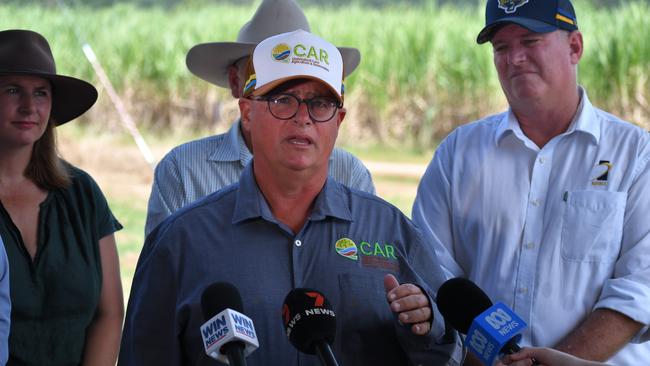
{"x":554,"y":233}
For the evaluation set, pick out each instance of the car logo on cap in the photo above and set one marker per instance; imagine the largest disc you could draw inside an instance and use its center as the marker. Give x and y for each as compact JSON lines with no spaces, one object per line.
{"x":510,"y":6}
{"x":281,"y":53}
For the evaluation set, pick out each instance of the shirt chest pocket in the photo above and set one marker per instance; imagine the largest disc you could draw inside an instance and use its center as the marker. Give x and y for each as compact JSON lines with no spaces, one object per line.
{"x":592,"y":226}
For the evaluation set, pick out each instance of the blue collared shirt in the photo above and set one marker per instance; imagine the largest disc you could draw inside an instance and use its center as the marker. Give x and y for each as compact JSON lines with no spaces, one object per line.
{"x":197,"y":168}
{"x":232,"y":236}
{"x":554,"y":233}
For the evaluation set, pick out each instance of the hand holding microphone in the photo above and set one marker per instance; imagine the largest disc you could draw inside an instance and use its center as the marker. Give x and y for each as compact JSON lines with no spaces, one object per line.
{"x":229,"y":336}
{"x":547,"y":357}
{"x":410,"y":303}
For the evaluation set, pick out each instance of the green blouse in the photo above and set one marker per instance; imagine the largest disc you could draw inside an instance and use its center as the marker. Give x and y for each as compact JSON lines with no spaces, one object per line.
{"x":54,"y":297}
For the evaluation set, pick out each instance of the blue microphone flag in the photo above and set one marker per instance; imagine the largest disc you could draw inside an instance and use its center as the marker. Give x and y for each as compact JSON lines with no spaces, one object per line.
{"x":492,"y":330}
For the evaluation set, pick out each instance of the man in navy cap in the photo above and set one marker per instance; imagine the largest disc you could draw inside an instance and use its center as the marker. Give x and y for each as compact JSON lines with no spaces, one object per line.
{"x":545,"y":205}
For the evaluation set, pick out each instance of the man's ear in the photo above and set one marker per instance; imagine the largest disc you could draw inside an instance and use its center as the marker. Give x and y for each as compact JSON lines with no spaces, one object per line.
{"x":233,"y":81}
{"x":245,"y":111}
{"x":576,"y":45}
{"x":341,"y":115}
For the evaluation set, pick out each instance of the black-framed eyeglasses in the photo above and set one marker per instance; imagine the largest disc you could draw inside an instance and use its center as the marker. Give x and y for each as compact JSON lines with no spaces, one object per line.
{"x":286,"y":106}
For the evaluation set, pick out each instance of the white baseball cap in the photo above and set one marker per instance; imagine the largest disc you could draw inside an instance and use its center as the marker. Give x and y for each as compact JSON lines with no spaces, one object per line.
{"x":294,"y":55}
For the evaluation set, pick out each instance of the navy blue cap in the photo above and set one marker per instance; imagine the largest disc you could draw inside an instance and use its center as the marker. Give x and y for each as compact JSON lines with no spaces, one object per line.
{"x":539,"y":16}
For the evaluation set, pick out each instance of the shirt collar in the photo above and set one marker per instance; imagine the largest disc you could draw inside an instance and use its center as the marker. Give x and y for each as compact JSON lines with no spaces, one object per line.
{"x":250,"y":203}
{"x":233,"y":147}
{"x":585,"y":121}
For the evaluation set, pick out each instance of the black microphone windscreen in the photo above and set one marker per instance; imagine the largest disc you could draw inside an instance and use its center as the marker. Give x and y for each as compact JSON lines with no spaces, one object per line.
{"x":218,"y":297}
{"x":460,"y":301}
{"x":308,"y":318}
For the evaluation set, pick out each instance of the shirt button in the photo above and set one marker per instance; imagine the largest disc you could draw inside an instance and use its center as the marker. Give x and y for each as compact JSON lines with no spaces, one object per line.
{"x":298,"y":243}
{"x":542,"y":160}
{"x":523,"y":290}
{"x":530,"y":245}
{"x":535,"y":203}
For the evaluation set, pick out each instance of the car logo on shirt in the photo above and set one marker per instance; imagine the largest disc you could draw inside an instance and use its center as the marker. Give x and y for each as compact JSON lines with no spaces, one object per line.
{"x":347,"y":248}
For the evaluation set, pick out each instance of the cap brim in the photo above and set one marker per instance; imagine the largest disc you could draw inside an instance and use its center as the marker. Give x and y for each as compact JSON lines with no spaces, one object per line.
{"x":71,"y":97}
{"x":533,"y":25}
{"x":275,"y":83}
{"x":210,"y":61}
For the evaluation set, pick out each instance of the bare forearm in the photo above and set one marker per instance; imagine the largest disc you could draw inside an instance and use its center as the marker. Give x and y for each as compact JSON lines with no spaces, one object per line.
{"x":104,"y":333}
{"x":103,"y":340}
{"x":600,"y":336}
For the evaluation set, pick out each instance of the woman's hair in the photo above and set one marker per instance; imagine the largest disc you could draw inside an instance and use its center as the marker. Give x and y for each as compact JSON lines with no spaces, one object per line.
{"x":45,"y":167}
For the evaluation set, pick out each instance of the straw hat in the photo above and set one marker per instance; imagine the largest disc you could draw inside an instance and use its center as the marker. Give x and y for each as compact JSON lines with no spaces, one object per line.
{"x":210,"y":61}
{"x":23,"y":52}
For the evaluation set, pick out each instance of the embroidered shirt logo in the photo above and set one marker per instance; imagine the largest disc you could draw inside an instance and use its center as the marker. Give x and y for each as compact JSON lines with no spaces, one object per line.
{"x":347,"y":248}
{"x":510,"y":6}
{"x":602,"y":173}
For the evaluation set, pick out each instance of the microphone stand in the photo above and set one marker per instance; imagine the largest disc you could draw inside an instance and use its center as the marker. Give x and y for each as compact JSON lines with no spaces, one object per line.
{"x":325,"y":354}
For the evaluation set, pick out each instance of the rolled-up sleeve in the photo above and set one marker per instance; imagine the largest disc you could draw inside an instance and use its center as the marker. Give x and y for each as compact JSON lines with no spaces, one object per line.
{"x":628,"y":291}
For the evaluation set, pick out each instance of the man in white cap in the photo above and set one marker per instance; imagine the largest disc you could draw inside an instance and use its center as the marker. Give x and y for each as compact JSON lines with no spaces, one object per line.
{"x":285,"y":225}
{"x":198,"y":168}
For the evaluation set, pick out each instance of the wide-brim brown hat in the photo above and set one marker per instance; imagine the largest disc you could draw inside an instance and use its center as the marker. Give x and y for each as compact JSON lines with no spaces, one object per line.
{"x":24,"y":52}
{"x":210,"y":61}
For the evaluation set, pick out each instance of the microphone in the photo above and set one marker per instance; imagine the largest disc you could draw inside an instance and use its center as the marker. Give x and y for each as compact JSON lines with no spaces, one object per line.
{"x":229,"y":336}
{"x":492,"y":330}
{"x":310,"y":323}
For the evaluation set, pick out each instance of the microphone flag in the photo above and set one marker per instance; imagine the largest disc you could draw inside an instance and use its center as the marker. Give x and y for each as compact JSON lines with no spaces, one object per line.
{"x":225,"y":327}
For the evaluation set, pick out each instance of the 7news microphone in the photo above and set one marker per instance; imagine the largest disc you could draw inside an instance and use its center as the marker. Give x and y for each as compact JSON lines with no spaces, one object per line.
{"x":310,"y":323}
{"x":492,"y":329}
{"x":229,"y":336}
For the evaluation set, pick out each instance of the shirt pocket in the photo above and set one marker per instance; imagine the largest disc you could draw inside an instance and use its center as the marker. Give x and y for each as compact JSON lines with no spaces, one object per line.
{"x":592,"y":226}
